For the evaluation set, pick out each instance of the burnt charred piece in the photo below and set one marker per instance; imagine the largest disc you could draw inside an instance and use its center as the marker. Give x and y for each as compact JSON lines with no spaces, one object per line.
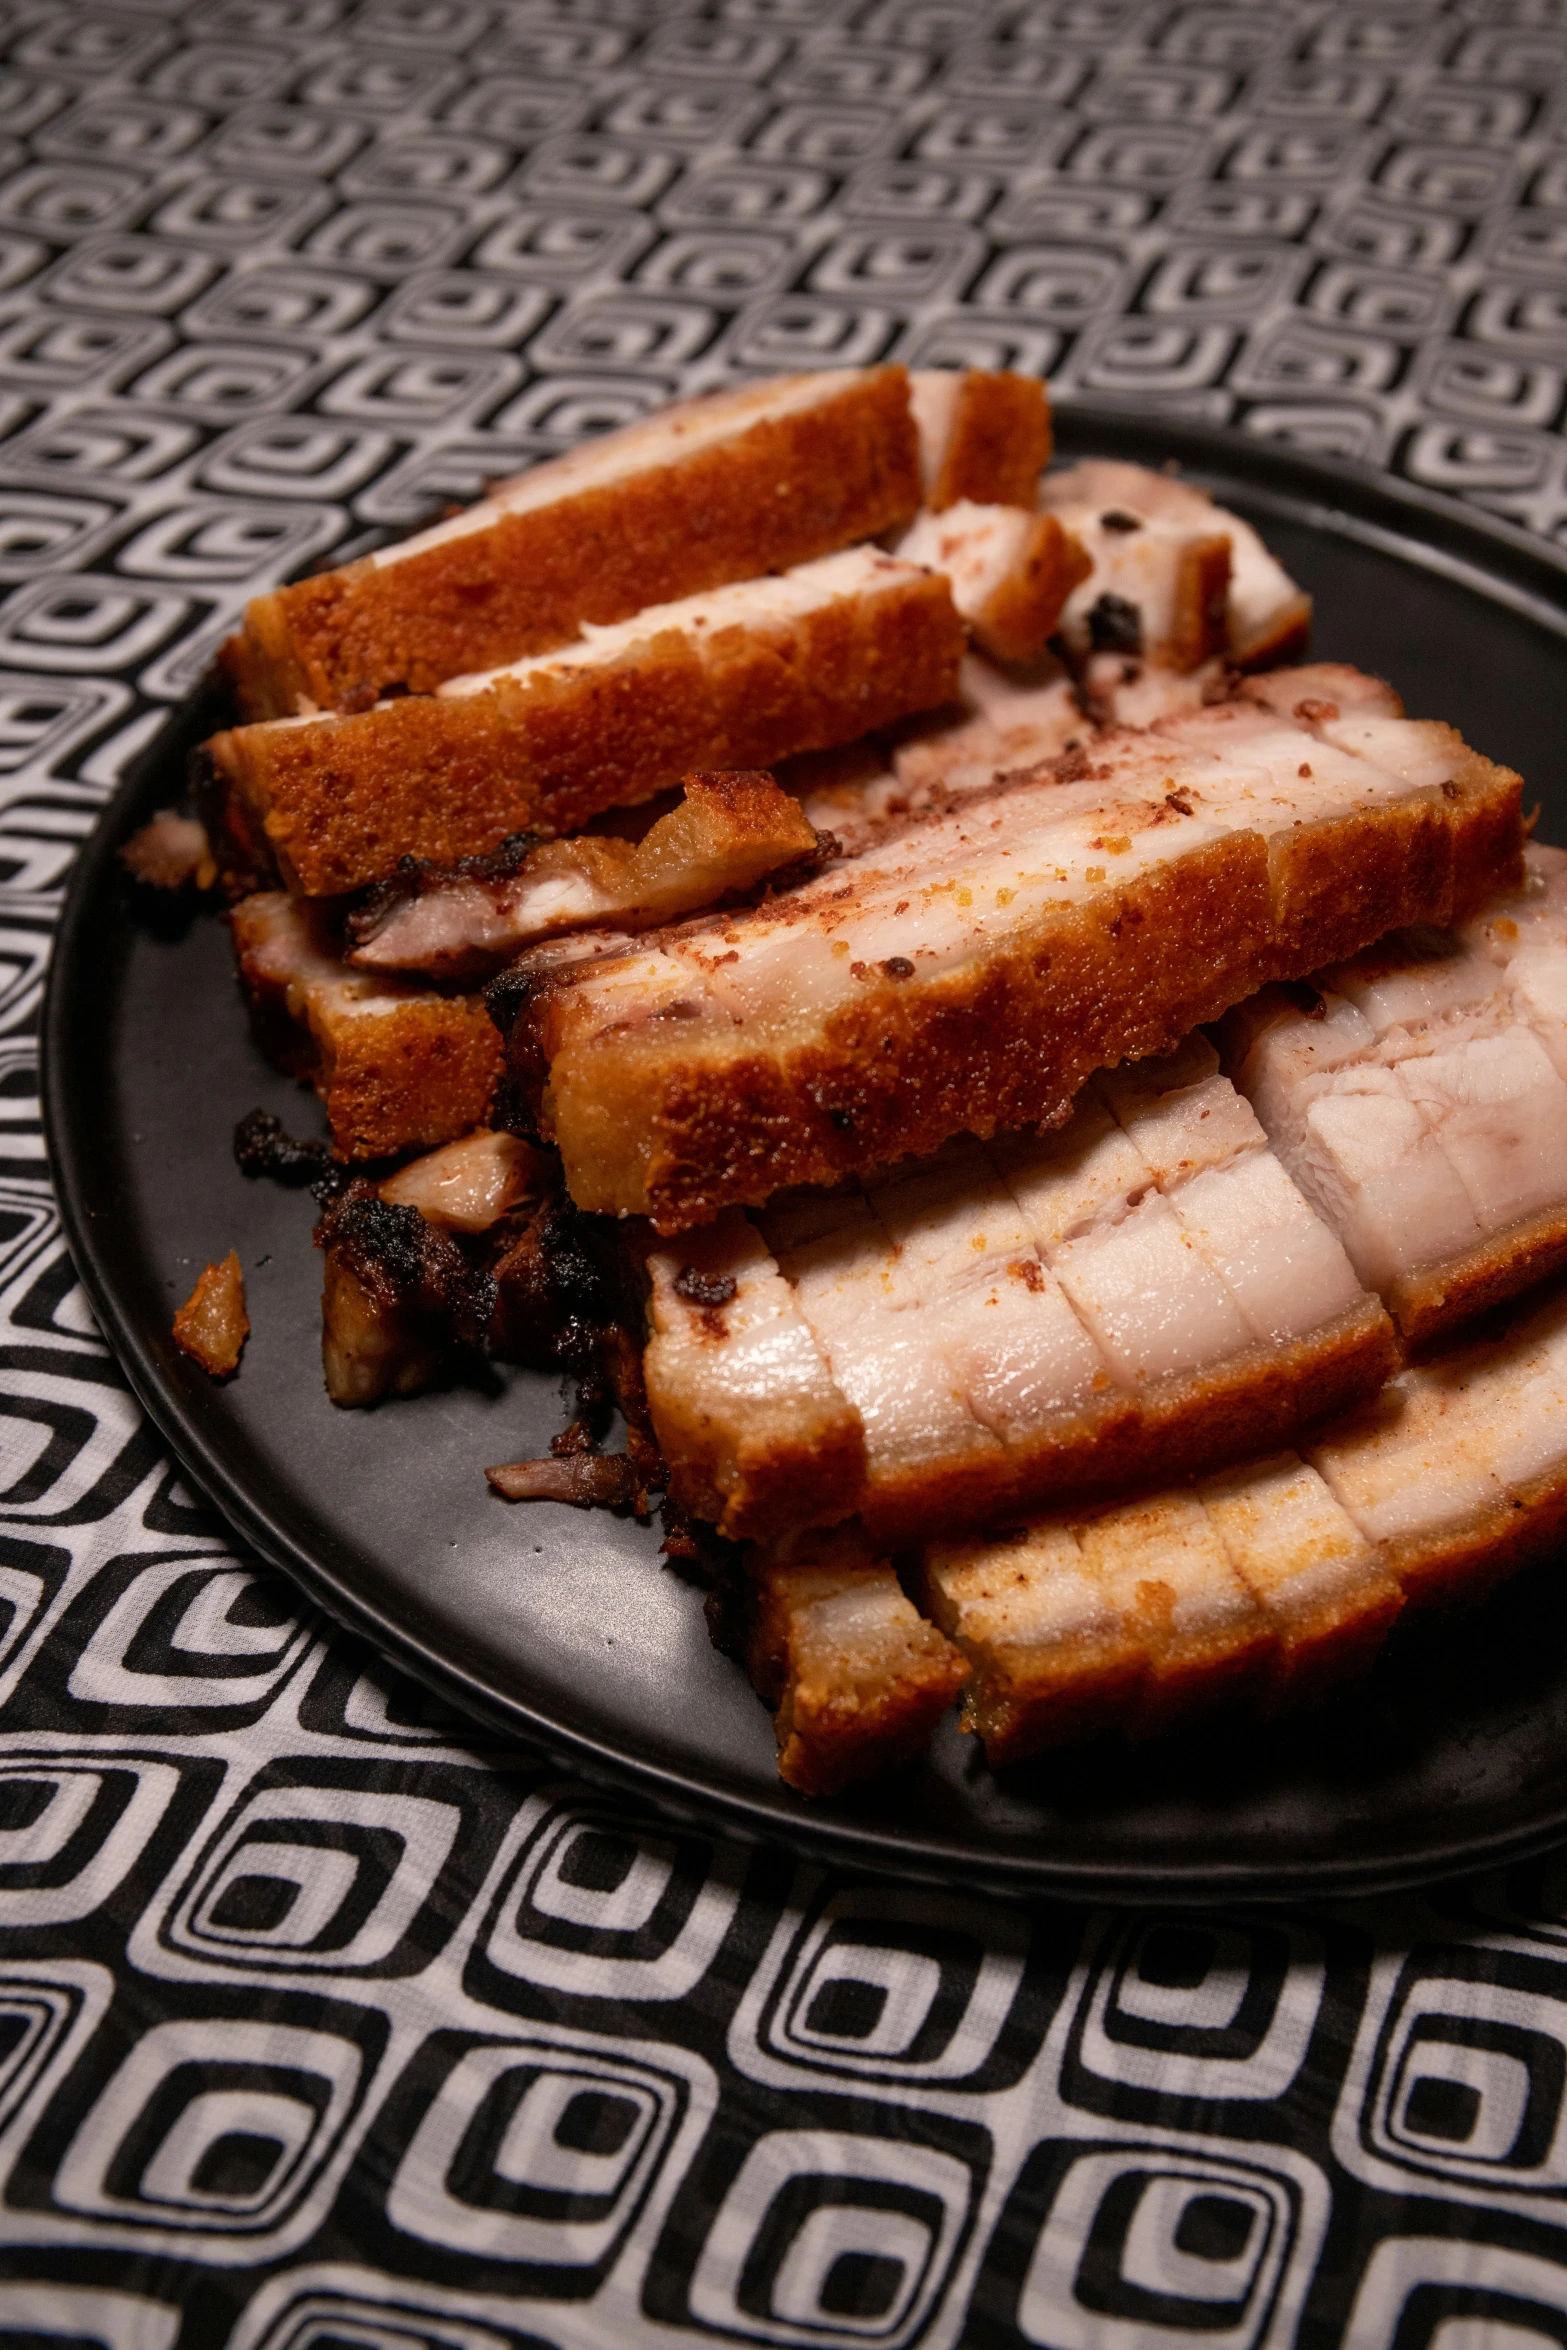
{"x":263,"y":1148}
{"x":403,"y":1303}
{"x":416,"y":877}
{"x":1115,"y":626}
{"x":515,"y":1002}
{"x":563,"y":1300}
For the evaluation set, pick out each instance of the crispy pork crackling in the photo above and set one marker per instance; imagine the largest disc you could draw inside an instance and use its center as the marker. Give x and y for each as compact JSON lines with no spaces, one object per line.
{"x":398,"y":1067}
{"x":1418,"y":1095}
{"x":739,"y":677}
{"x":1280,"y":1578}
{"x":983,"y":436}
{"x":711,"y":490}
{"x":969,"y":971}
{"x":212,"y":1325}
{"x":1144,"y":1290}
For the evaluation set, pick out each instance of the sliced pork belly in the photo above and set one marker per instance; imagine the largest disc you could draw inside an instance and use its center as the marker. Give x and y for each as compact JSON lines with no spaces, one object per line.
{"x":983,"y":435}
{"x":1143,"y":1290}
{"x":1452,"y":1477}
{"x":1010,"y":572}
{"x":747,"y":1412}
{"x":1175,"y":576}
{"x":398,"y":1068}
{"x":857,"y":1677}
{"x":729,"y":831}
{"x":735,"y":678}
{"x":757,"y":479}
{"x":1418,"y":1094}
{"x":969,"y":969}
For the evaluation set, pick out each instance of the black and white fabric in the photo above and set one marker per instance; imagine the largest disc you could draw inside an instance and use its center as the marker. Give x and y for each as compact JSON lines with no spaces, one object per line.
{"x":326,"y":2024}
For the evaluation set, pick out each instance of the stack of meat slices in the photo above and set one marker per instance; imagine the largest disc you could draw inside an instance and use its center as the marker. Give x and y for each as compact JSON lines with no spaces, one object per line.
{"x":1011,"y":1110}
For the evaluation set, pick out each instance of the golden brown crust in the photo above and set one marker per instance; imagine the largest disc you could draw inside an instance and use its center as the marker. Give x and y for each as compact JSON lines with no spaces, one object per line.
{"x":397,"y":1069}
{"x":646,"y":1125}
{"x":340,"y":801}
{"x":1021,"y":612}
{"x":1438,"y":1297}
{"x":783,"y":490}
{"x":419,"y":1072}
{"x":652,"y":1122}
{"x":1286,"y":633}
{"x":1200,"y":615}
{"x":849,"y":1702}
{"x":999,"y":442}
{"x":212,"y":1325}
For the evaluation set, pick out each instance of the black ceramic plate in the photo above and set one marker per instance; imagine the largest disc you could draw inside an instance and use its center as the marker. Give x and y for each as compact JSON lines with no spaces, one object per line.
{"x":568,"y":1627}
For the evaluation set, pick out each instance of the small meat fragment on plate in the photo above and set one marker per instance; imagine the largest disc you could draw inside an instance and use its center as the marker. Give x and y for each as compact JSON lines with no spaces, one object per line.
{"x":587,"y":1480}
{"x":170,"y":852}
{"x":212,"y":1325}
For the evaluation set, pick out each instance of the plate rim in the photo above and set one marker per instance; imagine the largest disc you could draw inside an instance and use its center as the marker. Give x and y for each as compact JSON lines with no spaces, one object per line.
{"x":1400,"y":516}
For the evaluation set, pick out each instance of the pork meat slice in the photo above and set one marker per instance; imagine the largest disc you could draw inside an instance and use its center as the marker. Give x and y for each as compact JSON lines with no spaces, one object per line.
{"x":984,"y":436}
{"x":737,"y":677}
{"x":398,"y":1067}
{"x":857,"y":1678}
{"x":970,"y":968}
{"x":1454,"y":1476}
{"x":1418,"y":1095}
{"x":976,"y":1331}
{"x":1010,"y":572}
{"x":727,"y":834}
{"x":754,"y":479}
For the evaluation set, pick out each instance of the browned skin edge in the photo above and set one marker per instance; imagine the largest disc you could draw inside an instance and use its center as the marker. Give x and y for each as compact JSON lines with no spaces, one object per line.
{"x":999,"y":443}
{"x":1015,"y":621}
{"x":1286,"y":636}
{"x":648,"y":1124}
{"x":1194,"y":1421}
{"x":783,"y":491}
{"x":422,"y":1071}
{"x":342,"y":801}
{"x":1200,"y":626}
{"x":838,"y":1720}
{"x":1437,"y":1297}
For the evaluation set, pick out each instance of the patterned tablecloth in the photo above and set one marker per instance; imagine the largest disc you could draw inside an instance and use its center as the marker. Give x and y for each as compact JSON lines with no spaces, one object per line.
{"x":323,"y":2021}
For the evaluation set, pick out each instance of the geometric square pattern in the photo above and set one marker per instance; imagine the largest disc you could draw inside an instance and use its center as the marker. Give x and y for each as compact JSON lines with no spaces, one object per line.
{"x":328,"y":2022}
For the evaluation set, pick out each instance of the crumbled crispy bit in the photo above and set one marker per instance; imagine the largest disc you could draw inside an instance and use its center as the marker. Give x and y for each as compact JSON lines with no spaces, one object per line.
{"x":212,"y":1325}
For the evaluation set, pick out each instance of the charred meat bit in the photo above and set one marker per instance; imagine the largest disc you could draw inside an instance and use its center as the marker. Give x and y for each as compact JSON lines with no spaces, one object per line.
{"x":262,"y":1147}
{"x":704,"y":1289}
{"x":212,"y":1325}
{"x":586,"y":1480}
{"x":1117,"y":518}
{"x":1115,"y":626}
{"x":401,"y":1303}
